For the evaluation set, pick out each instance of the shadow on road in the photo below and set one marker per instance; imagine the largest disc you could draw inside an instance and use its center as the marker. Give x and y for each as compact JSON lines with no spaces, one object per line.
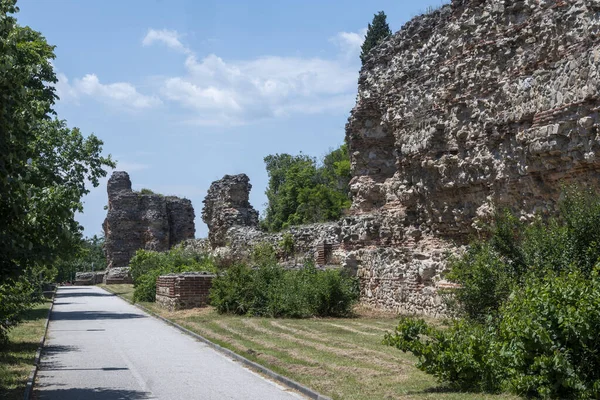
{"x":83,"y":294}
{"x":91,"y":393}
{"x":90,"y":315}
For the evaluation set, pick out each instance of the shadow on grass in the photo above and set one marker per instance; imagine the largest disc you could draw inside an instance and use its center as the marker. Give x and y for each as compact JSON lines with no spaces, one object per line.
{"x":35,"y":314}
{"x":90,"y":393}
{"x":442,"y":389}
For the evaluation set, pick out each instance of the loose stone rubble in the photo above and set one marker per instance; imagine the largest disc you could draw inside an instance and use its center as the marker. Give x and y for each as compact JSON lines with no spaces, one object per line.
{"x":141,"y":221}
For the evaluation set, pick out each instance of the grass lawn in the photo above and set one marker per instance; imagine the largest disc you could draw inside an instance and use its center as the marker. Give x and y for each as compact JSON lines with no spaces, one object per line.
{"x":16,"y":357}
{"x":340,"y":358}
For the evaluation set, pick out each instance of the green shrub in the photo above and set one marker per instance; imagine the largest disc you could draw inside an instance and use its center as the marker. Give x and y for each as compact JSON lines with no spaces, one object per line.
{"x":263,"y":254}
{"x":16,"y":297}
{"x":287,"y":245}
{"x":463,"y":355}
{"x":146,"y":266}
{"x":490,"y":268}
{"x":530,"y":299}
{"x":549,"y":332}
{"x":545,"y":343}
{"x":272,"y":291}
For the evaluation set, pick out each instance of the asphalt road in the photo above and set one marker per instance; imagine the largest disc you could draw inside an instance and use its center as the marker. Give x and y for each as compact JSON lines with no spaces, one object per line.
{"x":101,"y":347}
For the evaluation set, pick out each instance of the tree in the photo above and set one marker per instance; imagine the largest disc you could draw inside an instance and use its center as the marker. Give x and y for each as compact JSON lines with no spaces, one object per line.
{"x":300,"y":191}
{"x":45,"y":166}
{"x":377,"y":31}
{"x":89,"y":257}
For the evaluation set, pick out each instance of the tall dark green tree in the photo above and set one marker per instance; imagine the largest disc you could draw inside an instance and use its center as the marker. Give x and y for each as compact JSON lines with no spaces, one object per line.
{"x":377,"y":31}
{"x":45,"y":166}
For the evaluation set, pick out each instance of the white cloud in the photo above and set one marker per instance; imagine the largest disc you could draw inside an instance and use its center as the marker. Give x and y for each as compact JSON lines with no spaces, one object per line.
{"x":238,"y":92}
{"x":167,"y":37}
{"x":120,"y":94}
{"x":349,"y":42}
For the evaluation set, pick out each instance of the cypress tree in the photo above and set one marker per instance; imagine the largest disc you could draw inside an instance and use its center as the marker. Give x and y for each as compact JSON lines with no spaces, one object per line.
{"x":377,"y":31}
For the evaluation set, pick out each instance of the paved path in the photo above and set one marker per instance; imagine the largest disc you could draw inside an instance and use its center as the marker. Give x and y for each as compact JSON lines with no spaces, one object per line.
{"x":101,"y":347}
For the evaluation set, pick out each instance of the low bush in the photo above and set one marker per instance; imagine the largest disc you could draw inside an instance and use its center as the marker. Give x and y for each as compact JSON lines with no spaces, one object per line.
{"x":490,"y":268}
{"x":16,"y":297}
{"x":272,"y":291}
{"x":544,"y":343}
{"x":529,"y":309}
{"x":146,"y":266}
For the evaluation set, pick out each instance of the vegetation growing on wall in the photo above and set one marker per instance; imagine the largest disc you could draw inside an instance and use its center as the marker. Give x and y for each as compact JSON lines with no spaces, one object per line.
{"x":45,"y":167}
{"x":529,"y":309}
{"x":302,"y":191}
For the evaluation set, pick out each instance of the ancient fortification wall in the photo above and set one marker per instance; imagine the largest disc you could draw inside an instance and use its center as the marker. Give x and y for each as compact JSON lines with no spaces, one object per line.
{"x":142,"y":221}
{"x":480,"y":104}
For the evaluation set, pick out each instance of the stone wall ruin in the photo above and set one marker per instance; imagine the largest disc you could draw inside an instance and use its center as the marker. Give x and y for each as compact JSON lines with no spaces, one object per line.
{"x":142,"y":221}
{"x":478,"y":105}
{"x":490,"y":104}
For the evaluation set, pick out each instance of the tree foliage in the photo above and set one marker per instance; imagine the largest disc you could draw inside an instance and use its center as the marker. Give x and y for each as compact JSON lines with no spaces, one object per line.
{"x":44,"y":165}
{"x":89,"y":257}
{"x":300,"y":191}
{"x":377,"y":31}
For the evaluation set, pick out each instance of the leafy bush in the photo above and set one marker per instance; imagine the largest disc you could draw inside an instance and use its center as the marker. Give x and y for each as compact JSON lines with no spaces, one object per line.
{"x":489,"y":269}
{"x":287,"y":245}
{"x":272,"y":291}
{"x":544,"y":344}
{"x":530,"y":302}
{"x":146,"y":266}
{"x":16,"y":297}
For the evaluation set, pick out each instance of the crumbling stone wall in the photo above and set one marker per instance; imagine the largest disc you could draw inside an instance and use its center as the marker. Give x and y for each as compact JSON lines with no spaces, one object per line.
{"x":479,"y":105}
{"x":142,"y":221}
{"x":482,"y":104}
{"x":226,"y":205}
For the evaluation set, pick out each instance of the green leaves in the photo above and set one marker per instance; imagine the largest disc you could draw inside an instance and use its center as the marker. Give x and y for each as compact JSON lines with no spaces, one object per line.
{"x":147,"y":265}
{"x":45,"y":167}
{"x":272,"y":291}
{"x":301,"y":192}
{"x":530,"y":299}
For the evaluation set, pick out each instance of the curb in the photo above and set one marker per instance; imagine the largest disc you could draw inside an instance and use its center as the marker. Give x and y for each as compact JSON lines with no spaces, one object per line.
{"x":251,"y":364}
{"x":38,"y":355}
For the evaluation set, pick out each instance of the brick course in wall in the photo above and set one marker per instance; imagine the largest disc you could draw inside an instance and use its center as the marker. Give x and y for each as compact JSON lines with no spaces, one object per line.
{"x":183,"y":291}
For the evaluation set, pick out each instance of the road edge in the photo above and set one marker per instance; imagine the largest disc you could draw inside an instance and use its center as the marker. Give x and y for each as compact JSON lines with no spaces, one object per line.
{"x":38,"y":354}
{"x":229,"y":353}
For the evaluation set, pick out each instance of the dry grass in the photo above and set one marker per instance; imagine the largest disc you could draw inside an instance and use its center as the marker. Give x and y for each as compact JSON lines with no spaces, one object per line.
{"x":17,"y":356}
{"x":341,"y":358}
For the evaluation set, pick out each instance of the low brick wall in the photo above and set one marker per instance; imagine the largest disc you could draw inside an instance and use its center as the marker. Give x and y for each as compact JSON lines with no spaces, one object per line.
{"x":183,"y":291}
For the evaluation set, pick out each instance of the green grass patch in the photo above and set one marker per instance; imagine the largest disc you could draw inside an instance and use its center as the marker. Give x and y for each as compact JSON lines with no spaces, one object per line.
{"x":17,"y":356}
{"x":343,"y":358}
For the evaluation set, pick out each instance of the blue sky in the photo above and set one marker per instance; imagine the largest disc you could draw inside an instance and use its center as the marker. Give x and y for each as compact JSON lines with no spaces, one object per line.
{"x":183,"y":92}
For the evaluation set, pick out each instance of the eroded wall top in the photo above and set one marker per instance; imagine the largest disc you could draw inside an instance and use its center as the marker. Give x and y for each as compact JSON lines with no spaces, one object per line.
{"x":142,"y":221}
{"x":478,"y":104}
